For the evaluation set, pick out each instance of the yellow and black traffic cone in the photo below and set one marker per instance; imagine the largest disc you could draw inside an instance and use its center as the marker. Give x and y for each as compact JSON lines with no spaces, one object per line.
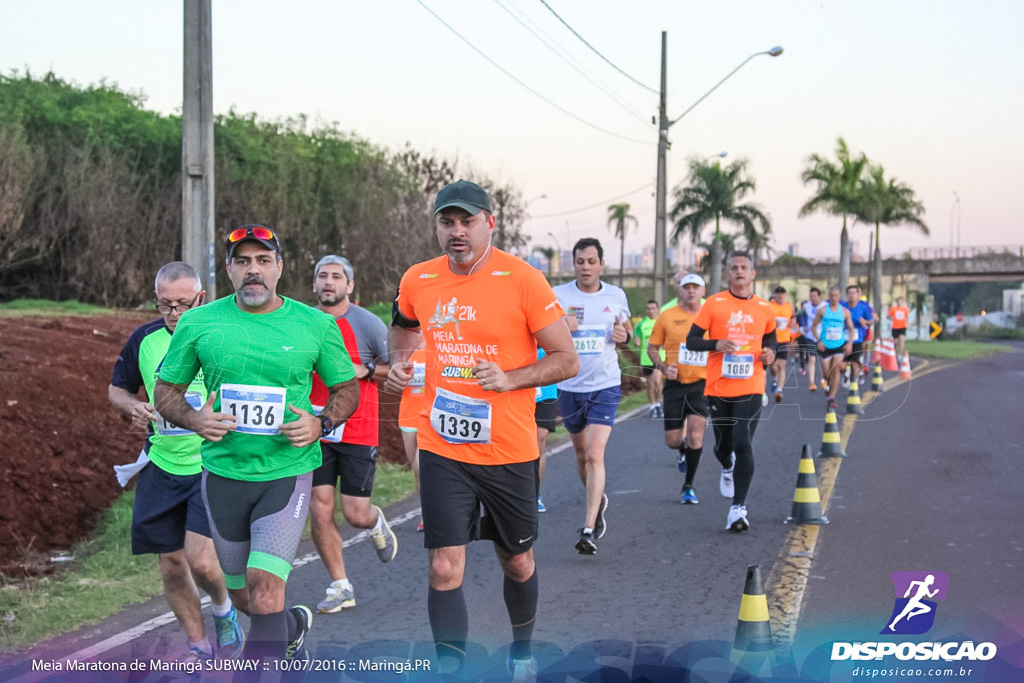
{"x":853,"y":406}
{"x":753,"y":644}
{"x":877,"y":381}
{"x":806,"y":499}
{"x":830,"y":441}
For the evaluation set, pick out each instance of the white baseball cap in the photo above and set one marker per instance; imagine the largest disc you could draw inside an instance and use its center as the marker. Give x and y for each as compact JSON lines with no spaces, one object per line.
{"x":692,"y":279}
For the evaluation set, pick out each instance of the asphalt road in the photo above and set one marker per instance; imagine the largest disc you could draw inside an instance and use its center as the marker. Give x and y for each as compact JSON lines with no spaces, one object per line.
{"x":931,"y":482}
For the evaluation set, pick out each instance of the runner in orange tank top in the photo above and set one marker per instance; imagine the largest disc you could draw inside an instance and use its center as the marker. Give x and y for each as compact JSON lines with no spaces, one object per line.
{"x":784,"y":319}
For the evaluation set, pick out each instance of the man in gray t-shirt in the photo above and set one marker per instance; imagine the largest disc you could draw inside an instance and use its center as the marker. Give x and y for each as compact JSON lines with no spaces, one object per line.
{"x":350,"y":451}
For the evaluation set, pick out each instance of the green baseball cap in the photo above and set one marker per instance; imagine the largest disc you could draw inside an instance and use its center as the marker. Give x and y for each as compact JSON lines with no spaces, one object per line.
{"x":465,"y":195}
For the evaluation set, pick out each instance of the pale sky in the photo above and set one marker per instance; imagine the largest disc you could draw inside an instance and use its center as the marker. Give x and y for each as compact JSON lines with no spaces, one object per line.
{"x":933,"y":90}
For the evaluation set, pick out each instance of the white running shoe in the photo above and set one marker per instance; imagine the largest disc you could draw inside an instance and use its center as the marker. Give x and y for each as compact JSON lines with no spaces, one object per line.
{"x":737,"y":520}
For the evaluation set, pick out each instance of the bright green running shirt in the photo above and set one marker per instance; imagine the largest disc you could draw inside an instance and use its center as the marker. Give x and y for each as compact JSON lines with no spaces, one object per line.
{"x":258,"y":365}
{"x":642,"y":331}
{"x":171,"y":448}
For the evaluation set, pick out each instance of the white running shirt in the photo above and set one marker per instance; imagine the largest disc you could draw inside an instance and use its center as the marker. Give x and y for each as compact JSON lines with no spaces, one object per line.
{"x":596,"y":313}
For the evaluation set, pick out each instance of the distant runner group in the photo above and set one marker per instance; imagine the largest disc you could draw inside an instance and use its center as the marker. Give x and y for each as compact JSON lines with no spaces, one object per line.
{"x":261,"y":411}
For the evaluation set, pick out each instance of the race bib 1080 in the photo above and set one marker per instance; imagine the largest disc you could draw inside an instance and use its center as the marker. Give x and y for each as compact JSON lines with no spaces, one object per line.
{"x":738,"y":366}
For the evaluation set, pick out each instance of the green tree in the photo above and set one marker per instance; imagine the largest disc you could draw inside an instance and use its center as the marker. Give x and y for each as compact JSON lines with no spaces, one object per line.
{"x":710,"y":194}
{"x":837,"y":191}
{"x":886,"y":202}
{"x":618,"y":214}
{"x":549,"y":253}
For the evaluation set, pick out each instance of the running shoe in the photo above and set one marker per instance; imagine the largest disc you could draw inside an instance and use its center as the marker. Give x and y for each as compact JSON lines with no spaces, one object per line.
{"x":384,"y":539}
{"x":194,"y":656}
{"x":661,"y":410}
{"x":524,"y":670}
{"x":230,"y":636}
{"x":688,"y":496}
{"x":846,"y":381}
{"x":764,"y":400}
{"x":803,"y":372}
{"x":336,"y":600}
{"x":681,"y":463}
{"x":737,"y":520}
{"x":599,"y":526}
{"x":586,"y":545}
{"x":824,"y":385}
{"x":540,"y":505}
{"x":778,"y":395}
{"x":813,"y":387}
{"x":652,"y":412}
{"x":303,"y":622}
{"x":832,"y":404}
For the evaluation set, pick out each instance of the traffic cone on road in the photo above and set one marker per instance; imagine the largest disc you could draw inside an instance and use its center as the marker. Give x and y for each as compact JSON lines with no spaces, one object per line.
{"x":905,"y":366}
{"x":806,"y":499}
{"x":877,"y":381}
{"x":853,"y":406}
{"x":753,"y":644}
{"x":886,"y":356}
{"x":830,"y":443}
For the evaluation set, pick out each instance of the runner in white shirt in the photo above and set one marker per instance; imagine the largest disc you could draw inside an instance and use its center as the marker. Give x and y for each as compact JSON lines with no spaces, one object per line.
{"x":598,"y":317}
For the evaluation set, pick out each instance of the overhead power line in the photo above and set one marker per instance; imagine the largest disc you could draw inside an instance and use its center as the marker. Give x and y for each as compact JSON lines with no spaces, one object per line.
{"x":596,"y":51}
{"x":558,"y":53}
{"x":523,"y":84}
{"x":594,"y":206}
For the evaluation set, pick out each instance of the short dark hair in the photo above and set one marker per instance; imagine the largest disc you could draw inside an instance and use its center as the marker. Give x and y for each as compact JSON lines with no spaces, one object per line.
{"x":780,"y":290}
{"x":815,"y":289}
{"x":849,"y":287}
{"x":586,"y":243}
{"x":739,"y":254}
{"x":652,"y":301}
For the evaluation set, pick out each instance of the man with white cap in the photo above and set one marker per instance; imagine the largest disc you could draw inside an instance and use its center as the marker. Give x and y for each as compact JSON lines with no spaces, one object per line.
{"x":685,"y":370}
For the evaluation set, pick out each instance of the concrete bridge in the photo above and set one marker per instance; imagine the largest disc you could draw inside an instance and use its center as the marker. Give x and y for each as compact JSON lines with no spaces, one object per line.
{"x":912,"y":272}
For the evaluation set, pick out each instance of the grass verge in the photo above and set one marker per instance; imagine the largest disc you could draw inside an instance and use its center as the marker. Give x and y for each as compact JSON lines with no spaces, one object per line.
{"x":45,"y":307}
{"x":954,"y":350}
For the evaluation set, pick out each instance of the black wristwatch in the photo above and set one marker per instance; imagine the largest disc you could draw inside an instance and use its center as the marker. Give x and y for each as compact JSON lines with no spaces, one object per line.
{"x":326,"y":425}
{"x":371,"y":366}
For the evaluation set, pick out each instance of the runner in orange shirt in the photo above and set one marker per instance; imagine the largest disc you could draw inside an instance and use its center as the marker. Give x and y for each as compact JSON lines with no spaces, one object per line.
{"x":413,"y":402}
{"x":741,"y":338}
{"x":686,"y":407}
{"x":899,"y":314}
{"x":482,"y":313}
{"x":784,"y":319}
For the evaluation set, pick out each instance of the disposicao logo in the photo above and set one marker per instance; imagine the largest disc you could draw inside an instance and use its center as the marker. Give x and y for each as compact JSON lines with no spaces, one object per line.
{"x":914,"y":609}
{"x":913,"y":613}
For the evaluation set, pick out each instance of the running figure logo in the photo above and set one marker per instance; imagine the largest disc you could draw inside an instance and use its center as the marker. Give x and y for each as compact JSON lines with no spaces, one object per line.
{"x":914,"y":613}
{"x":444,"y":314}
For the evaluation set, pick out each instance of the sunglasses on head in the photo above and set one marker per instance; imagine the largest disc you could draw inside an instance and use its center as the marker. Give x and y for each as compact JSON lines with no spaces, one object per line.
{"x":257,"y":231}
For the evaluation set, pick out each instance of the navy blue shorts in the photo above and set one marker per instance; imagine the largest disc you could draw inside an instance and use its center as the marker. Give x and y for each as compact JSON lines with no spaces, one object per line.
{"x":166,"y":506}
{"x":594,"y":407}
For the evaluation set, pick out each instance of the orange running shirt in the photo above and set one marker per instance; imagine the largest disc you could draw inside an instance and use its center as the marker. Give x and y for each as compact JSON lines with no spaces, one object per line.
{"x":899,"y":315}
{"x":670,"y":330}
{"x":414,"y":398}
{"x":744,"y":321}
{"x":489,"y":315}
{"x":782,"y":312}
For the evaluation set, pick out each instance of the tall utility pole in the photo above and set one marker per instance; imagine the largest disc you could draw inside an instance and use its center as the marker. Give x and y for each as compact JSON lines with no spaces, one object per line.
{"x":664,"y":123}
{"x":659,"y":216}
{"x":197,"y":224}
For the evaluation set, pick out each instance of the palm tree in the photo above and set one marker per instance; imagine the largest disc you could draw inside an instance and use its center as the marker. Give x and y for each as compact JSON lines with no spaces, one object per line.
{"x":620,"y":216}
{"x":712,"y":193}
{"x":549,"y":253}
{"x":838,"y":189}
{"x":886,"y":202}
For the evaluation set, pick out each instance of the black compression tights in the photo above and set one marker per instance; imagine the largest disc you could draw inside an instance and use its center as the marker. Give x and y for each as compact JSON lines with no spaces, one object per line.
{"x":734,"y":421}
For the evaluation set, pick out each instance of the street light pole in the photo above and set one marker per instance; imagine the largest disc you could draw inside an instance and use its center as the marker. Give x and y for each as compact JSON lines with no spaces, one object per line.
{"x":664,"y":123}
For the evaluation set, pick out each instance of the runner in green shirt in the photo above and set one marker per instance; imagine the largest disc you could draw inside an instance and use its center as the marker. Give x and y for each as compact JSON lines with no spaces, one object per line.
{"x":652,"y":375}
{"x":257,"y":351}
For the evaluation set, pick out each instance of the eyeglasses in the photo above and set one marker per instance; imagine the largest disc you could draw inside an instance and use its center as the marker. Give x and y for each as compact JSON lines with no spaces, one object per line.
{"x":167,"y":309}
{"x":257,"y":231}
